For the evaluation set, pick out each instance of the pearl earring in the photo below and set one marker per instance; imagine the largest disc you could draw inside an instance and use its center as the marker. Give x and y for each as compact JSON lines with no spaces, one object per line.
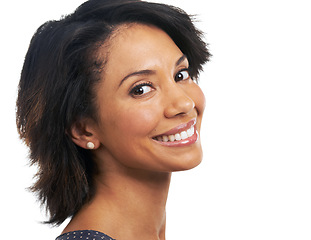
{"x":90,"y":145}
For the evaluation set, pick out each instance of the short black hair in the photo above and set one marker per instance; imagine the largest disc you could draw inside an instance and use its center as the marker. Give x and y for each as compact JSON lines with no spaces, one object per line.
{"x":57,"y":88}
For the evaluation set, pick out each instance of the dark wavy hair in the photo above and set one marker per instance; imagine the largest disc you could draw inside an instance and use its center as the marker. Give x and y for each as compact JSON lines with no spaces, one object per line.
{"x":56,"y":89}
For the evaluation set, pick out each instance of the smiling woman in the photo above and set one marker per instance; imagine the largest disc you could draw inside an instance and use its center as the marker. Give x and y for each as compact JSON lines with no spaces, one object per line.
{"x":109,"y":106}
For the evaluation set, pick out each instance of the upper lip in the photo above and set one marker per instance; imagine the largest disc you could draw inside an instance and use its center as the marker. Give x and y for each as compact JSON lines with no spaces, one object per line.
{"x":180,"y":128}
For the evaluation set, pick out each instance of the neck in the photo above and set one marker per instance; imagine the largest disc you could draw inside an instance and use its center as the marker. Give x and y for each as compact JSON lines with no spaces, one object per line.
{"x":129,"y":204}
{"x":139,"y":196}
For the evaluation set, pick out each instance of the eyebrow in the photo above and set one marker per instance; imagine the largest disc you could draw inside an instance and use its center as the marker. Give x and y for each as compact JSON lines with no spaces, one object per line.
{"x":150,"y":72}
{"x":181,"y":59}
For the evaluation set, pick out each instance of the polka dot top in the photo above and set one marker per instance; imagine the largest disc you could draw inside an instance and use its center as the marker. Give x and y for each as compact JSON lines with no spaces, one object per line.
{"x":84,"y":235}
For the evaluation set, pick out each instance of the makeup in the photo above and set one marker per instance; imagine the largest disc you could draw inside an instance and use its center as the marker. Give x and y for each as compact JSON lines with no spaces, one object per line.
{"x":180,"y":136}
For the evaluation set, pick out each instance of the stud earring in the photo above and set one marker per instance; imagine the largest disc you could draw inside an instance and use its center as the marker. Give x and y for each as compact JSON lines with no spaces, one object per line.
{"x":90,"y":145}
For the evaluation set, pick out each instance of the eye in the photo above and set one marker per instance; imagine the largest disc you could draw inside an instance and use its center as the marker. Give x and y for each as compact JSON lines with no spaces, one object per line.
{"x":182,"y":75}
{"x":141,"y":89}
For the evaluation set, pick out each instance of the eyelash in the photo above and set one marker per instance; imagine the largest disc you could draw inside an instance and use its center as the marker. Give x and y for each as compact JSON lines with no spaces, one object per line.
{"x":183,"y":70}
{"x":135,"y":89}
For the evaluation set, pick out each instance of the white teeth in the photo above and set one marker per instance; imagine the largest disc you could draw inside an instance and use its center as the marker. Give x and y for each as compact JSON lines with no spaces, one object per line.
{"x":171,"y":138}
{"x":183,"y":135}
{"x":177,"y":137}
{"x":189,"y":132}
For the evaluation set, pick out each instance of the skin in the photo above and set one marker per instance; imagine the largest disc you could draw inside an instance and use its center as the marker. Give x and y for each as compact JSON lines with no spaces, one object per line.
{"x":134,"y":169}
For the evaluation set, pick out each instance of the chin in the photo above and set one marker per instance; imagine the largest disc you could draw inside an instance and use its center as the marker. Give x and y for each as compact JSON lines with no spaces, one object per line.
{"x":189,"y":163}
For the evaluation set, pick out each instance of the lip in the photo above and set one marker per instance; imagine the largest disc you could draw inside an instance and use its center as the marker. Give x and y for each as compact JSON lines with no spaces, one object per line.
{"x":180,"y":128}
{"x":181,"y":143}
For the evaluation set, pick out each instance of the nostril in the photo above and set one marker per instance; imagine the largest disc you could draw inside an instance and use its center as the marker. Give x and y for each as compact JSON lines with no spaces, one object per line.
{"x":181,"y":114}
{"x":184,"y":105}
{"x":179,"y":106}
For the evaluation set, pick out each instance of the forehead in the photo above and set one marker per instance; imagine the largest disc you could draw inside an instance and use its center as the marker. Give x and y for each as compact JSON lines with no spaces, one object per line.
{"x":139,"y":46}
{"x":136,"y":34}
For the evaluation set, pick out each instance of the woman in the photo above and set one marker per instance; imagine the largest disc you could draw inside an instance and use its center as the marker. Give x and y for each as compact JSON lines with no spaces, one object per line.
{"x":109,"y":106}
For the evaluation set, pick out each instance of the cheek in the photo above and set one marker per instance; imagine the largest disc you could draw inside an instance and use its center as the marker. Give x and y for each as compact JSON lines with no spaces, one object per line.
{"x":137,"y":120}
{"x":201,"y":99}
{"x":198,"y":97}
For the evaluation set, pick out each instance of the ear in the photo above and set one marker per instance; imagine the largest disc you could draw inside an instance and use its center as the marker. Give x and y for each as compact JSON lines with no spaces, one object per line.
{"x":83,"y":132}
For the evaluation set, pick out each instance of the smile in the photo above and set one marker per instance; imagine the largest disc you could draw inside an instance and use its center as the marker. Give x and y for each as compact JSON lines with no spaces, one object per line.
{"x":178,"y":136}
{"x":182,"y":135}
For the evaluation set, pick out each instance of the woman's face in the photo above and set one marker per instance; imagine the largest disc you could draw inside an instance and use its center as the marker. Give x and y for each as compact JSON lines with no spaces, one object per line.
{"x":150,"y":110}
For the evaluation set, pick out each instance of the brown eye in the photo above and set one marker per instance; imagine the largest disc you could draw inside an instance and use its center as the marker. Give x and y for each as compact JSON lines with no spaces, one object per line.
{"x":182,"y":75}
{"x":141,"y":89}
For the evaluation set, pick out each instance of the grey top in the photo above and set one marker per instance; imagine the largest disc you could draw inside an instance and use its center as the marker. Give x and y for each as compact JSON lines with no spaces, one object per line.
{"x":84,"y":235}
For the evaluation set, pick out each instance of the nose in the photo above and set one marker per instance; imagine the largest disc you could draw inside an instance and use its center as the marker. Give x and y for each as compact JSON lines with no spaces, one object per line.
{"x":177,"y":101}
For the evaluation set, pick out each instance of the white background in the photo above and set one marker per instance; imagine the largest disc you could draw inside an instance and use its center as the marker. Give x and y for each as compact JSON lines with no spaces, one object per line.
{"x":255,"y":179}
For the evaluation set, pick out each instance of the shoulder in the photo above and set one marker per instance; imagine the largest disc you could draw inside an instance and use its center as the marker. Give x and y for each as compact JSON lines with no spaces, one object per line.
{"x":84,"y":235}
